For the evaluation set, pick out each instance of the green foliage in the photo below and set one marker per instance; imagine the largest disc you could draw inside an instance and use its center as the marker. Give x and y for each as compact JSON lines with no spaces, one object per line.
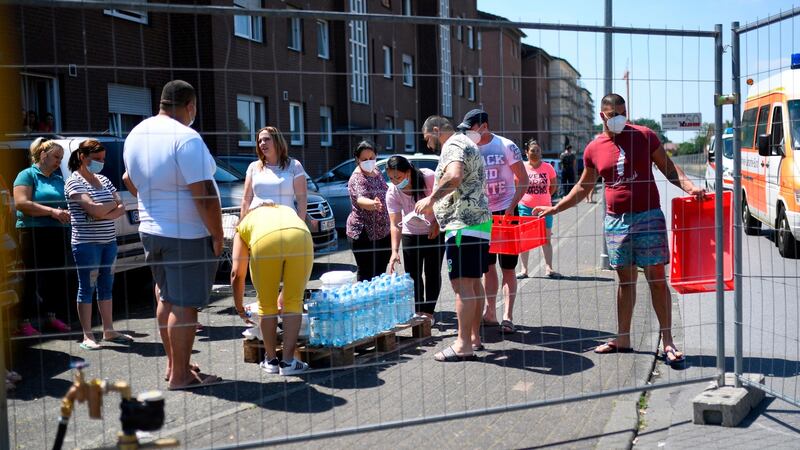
{"x":655,"y":126}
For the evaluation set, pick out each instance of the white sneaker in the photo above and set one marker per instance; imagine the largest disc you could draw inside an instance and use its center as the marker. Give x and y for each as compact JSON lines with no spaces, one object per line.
{"x":272,"y":366}
{"x":292,"y":367}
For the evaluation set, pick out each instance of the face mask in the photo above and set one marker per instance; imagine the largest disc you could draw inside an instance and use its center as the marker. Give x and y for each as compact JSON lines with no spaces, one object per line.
{"x":402,"y":184}
{"x":616,"y":124}
{"x":473,"y":136}
{"x":95,"y":166}
{"x":368,"y":165}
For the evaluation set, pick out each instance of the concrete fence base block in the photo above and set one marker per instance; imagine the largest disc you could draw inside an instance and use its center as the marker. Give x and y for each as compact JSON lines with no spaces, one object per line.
{"x":727,"y":405}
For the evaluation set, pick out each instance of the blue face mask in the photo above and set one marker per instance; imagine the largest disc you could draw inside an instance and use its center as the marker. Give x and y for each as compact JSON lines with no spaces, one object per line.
{"x":95,"y":166}
{"x":402,"y":184}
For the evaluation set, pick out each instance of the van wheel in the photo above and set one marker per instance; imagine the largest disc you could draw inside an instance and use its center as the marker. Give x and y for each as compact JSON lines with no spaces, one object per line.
{"x":787,"y":244}
{"x":751,"y":225}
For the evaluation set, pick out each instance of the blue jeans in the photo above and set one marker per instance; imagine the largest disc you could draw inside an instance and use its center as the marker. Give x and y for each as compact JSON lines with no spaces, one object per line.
{"x":95,"y":269}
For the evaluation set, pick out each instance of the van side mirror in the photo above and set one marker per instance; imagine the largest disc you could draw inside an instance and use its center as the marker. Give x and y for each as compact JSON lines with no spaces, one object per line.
{"x":711,"y":156}
{"x":763,"y":145}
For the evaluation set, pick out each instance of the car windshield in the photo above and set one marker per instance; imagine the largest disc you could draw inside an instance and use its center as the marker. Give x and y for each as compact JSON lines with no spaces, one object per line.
{"x":727,"y":148}
{"x":794,"y":122}
{"x":223,"y":175}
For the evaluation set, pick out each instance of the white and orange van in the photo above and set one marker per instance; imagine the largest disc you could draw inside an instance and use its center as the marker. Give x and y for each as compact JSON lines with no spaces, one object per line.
{"x":771,"y":159}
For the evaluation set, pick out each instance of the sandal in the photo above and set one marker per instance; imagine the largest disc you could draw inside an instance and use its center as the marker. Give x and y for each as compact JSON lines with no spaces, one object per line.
{"x":450,"y":355}
{"x":522,"y":276}
{"x":192,"y":366}
{"x":209,"y":380}
{"x":676,"y":359}
{"x":89,"y":345}
{"x":611,"y":347}
{"x":478,"y":348}
{"x":508,"y":327}
{"x":486,"y":323}
{"x":120,"y":339}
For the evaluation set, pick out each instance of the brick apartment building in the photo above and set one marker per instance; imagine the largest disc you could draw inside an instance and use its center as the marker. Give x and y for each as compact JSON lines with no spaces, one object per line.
{"x":535,"y":95}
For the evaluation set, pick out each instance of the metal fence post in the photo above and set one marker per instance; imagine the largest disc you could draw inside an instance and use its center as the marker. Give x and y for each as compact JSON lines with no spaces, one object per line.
{"x":718,"y":216}
{"x":737,"y":205}
{"x":604,"y":264}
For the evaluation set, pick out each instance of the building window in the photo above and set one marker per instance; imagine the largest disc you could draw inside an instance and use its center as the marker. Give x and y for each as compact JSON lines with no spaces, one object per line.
{"x":446,"y":76}
{"x":127,"y":106}
{"x":389,"y":133}
{"x":248,"y":27}
{"x":359,"y":57}
{"x":471,"y":88}
{"x":406,"y":7}
{"x":515,"y":114}
{"x":129,"y":14}
{"x":460,"y":31}
{"x":480,"y":77}
{"x":323,"y":43}
{"x":470,"y":38}
{"x":250,"y":114}
{"x":408,"y":132}
{"x":408,"y":70}
{"x":325,"y":126}
{"x":40,"y":97}
{"x":461,"y":80}
{"x":295,"y":29}
{"x":480,"y":41}
{"x":296,"y":127}
{"x":387,"y":62}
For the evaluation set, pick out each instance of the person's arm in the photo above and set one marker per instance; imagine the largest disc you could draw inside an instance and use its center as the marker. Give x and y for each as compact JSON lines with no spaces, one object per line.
{"x":96,"y":210}
{"x":126,"y":180}
{"x":553,"y":183}
{"x":674,"y":173}
{"x":521,"y":182}
{"x":301,"y":195}
{"x":397,"y":236}
{"x":204,"y":195}
{"x":358,"y":196}
{"x":118,"y":211}
{"x":578,"y":193}
{"x":247,"y":196}
{"x":241,"y":258}
{"x":451,"y":179}
{"x":22,"y":201}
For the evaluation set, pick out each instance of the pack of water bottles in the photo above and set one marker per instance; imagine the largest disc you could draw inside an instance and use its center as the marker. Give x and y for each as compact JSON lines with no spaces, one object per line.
{"x":346,"y":313}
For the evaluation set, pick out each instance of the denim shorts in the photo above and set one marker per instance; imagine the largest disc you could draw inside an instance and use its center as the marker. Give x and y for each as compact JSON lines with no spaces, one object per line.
{"x":638,"y":238}
{"x":525,"y":211}
{"x":95,"y":263}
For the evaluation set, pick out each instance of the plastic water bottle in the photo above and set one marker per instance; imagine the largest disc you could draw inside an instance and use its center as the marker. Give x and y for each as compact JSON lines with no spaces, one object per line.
{"x":313,"y":319}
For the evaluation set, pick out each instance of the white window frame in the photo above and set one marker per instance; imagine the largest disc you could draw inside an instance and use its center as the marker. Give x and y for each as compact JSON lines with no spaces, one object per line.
{"x":359,"y":55}
{"x":471,"y":88}
{"x":446,"y":75}
{"x":479,"y":40}
{"x":406,"y":7}
{"x":409,"y":133}
{"x":461,"y":80}
{"x":387,"y":62}
{"x":129,"y":14}
{"x":296,"y":127}
{"x":254,"y":29}
{"x":323,"y":39}
{"x":52,"y":99}
{"x":256,"y":110}
{"x":124,"y":100}
{"x":470,"y":38}
{"x":295,"y":38}
{"x":480,"y":76}
{"x":325,"y":126}
{"x":408,"y":70}
{"x":389,"y":121}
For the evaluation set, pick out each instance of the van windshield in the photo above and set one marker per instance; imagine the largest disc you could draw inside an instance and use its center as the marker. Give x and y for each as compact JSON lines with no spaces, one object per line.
{"x":794,"y":122}
{"x":727,"y":148}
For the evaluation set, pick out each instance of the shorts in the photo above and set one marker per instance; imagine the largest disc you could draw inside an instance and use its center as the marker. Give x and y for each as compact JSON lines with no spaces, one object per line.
{"x":507,"y":262}
{"x":288,"y":255}
{"x":184,"y":269}
{"x":637,"y":239}
{"x":525,"y":211}
{"x":469,"y":259}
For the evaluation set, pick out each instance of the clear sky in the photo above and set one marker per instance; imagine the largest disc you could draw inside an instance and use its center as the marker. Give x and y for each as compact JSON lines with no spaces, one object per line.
{"x":668,"y":74}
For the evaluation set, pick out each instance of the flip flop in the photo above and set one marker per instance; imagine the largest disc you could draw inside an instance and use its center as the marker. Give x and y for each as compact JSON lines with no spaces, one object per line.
{"x":120,"y":339}
{"x":209,"y":380}
{"x":508,"y":327}
{"x":192,"y":366}
{"x":478,"y":348}
{"x":489,"y":324}
{"x":611,"y":347}
{"x":92,"y":346}
{"x":522,"y":276}
{"x":677,"y":359}
{"x":450,"y":355}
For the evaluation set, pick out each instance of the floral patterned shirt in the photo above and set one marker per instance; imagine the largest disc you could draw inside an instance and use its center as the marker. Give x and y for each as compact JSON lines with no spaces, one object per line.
{"x":374,"y":223}
{"x":468,"y":204}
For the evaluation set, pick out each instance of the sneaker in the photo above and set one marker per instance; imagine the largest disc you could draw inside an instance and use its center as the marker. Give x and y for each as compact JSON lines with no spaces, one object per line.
{"x":292,"y":367}
{"x":27,"y":330}
{"x":56,"y":325}
{"x":271,"y":366}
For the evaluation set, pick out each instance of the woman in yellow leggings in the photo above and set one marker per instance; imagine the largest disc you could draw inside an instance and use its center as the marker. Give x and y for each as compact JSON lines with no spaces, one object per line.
{"x":278,"y":245}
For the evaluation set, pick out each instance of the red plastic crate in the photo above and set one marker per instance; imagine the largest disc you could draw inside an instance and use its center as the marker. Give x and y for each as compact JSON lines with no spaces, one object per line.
{"x":694,"y":244}
{"x":512,"y":235}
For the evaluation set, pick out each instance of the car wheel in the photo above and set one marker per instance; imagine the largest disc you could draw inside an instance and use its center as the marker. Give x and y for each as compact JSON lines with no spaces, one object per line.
{"x":751,"y":225}
{"x":784,"y":239}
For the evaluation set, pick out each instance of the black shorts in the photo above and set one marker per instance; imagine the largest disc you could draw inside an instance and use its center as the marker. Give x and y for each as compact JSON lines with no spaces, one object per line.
{"x":468,"y":260}
{"x":507,"y":262}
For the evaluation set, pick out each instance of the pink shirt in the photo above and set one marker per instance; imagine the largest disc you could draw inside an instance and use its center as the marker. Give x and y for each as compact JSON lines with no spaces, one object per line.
{"x":538,"y":193}
{"x":398,"y":201}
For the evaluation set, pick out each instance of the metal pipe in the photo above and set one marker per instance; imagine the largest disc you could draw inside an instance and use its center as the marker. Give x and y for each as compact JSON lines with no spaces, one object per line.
{"x":738,"y":341}
{"x":609,"y":54}
{"x":344,"y":16}
{"x":767,"y":21}
{"x":718,"y":216}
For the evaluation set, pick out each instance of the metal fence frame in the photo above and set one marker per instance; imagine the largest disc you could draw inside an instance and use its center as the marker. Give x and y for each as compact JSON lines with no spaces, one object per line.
{"x":608,"y":30}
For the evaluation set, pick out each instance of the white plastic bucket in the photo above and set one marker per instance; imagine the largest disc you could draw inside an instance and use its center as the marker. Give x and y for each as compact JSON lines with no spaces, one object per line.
{"x":337,"y":278}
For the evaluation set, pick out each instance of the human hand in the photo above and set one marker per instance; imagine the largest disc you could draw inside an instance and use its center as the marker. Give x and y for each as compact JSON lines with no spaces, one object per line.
{"x":510,"y":211}
{"x":245,"y":316}
{"x":61,"y":215}
{"x":424,"y":206}
{"x":378,"y":205}
{"x":543,"y":211}
{"x":394,"y":259}
{"x":696,"y":192}
{"x":216,"y":242}
{"x":434,"y":231}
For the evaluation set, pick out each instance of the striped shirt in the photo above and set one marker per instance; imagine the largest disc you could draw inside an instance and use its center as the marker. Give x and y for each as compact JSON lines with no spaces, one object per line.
{"x":85,"y":228}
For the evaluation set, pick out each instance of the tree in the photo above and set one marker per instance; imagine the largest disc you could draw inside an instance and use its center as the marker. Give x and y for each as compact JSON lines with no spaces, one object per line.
{"x":655,"y":126}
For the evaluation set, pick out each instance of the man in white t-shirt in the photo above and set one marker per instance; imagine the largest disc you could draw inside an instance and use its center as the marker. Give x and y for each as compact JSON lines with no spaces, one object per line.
{"x":506,"y":183}
{"x":181,"y":222}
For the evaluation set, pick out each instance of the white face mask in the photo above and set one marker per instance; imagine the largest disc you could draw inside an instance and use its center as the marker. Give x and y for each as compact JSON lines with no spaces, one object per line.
{"x":368,"y":165}
{"x":473,"y":136}
{"x":616,"y":124}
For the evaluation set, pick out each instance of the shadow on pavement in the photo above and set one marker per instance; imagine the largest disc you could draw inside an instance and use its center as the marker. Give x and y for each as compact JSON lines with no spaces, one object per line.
{"x":546,"y":362}
{"x":39,"y":370}
{"x":573,"y":278}
{"x":303,"y":398}
{"x":212,"y":333}
{"x":771,"y":367}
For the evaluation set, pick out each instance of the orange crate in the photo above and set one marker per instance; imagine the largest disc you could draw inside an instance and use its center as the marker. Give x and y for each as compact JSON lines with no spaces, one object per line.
{"x":512,"y":235}
{"x":694,"y":244}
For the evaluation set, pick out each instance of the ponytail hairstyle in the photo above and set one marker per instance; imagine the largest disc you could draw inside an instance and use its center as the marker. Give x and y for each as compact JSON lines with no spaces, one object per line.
{"x":41,"y":145}
{"x":86,"y":148}
{"x":417,"y":178}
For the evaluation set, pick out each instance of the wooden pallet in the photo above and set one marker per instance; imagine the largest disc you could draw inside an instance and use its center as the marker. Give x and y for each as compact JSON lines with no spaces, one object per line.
{"x":356,"y":352}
